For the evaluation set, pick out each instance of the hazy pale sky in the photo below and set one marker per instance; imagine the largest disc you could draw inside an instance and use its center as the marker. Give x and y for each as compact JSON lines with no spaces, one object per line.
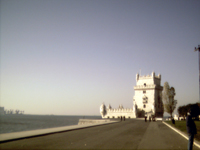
{"x":68,"y":57}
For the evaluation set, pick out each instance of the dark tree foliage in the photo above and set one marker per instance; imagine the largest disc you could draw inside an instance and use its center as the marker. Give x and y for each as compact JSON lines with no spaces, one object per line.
{"x":140,"y":113}
{"x":183,"y":110}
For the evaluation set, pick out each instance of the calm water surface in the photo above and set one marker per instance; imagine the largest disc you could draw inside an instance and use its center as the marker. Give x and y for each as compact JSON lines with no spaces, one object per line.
{"x":16,"y":123}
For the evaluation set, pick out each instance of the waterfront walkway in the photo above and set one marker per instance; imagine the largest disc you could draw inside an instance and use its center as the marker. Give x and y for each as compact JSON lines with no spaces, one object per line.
{"x":129,"y":134}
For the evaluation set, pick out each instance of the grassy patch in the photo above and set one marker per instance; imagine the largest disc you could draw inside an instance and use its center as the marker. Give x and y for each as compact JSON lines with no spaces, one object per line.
{"x":181,"y":125}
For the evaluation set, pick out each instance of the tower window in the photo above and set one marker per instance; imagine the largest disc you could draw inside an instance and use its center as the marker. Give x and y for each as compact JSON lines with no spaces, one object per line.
{"x":145,"y":100}
{"x":144,"y":84}
{"x":144,"y":106}
{"x":144,"y":91}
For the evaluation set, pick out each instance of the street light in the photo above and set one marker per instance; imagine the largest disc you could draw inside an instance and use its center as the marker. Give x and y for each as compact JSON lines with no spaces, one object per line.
{"x":198,"y":49}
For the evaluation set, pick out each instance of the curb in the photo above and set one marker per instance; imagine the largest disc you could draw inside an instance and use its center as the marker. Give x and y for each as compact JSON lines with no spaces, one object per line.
{"x":196,"y":143}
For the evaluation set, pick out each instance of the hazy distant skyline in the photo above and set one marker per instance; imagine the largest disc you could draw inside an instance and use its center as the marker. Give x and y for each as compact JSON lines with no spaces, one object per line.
{"x":68,"y":57}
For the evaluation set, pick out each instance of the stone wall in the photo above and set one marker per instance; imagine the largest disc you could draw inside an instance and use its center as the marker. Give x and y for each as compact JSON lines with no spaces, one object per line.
{"x":150,"y":96}
{"x":92,"y":121}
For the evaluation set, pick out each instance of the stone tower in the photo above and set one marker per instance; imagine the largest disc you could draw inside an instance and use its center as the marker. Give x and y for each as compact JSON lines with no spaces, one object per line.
{"x":147,"y":97}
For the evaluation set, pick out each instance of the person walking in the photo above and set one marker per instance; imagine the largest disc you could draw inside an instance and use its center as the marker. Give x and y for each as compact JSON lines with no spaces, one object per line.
{"x":191,"y":128}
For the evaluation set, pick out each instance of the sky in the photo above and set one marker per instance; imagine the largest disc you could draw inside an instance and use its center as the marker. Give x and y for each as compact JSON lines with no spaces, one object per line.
{"x":67,"y":57}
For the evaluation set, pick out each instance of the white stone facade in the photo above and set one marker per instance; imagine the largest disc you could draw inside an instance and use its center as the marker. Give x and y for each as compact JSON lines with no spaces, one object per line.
{"x":146,"y":102}
{"x":148,"y":95}
{"x":109,"y":112}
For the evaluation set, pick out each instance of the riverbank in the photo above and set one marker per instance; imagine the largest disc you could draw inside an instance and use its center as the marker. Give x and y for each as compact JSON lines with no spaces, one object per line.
{"x":34,"y":133}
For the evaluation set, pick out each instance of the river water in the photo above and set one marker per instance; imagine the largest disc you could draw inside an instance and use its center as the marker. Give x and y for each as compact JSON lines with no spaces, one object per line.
{"x":16,"y":123}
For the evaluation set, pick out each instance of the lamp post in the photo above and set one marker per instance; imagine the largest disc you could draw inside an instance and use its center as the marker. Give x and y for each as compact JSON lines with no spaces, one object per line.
{"x":198,"y":49}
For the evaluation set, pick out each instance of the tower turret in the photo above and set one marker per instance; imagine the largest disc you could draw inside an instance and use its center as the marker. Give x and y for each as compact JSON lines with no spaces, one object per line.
{"x":159,"y":76}
{"x":153,"y":74}
{"x":137,"y":77}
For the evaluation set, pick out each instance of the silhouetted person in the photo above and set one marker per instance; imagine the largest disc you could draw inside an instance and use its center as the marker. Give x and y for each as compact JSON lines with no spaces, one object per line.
{"x":173,"y":121}
{"x":191,"y":129}
{"x":121,"y":118}
{"x":145,"y":118}
{"x":124,"y":118}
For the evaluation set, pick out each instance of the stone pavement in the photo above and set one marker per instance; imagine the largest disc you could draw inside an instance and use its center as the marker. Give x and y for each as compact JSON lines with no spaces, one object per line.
{"x":129,"y":134}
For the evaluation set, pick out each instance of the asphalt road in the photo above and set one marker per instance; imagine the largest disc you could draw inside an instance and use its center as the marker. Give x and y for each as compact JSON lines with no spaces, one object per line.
{"x":129,"y":134}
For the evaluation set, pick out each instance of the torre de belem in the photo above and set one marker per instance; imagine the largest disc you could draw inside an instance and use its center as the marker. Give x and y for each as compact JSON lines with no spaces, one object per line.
{"x":147,"y":101}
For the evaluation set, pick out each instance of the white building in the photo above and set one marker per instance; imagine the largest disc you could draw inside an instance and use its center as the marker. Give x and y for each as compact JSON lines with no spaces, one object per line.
{"x":109,"y":112}
{"x":146,"y":102}
{"x":147,"y":97}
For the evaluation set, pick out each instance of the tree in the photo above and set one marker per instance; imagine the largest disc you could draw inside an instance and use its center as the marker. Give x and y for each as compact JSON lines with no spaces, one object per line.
{"x":168,"y":94}
{"x":140,"y":113}
{"x":183,"y":110}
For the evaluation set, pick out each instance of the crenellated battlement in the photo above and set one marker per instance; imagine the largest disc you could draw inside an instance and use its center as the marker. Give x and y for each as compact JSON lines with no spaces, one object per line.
{"x":120,"y":110}
{"x":138,"y":77}
{"x":148,"y":80}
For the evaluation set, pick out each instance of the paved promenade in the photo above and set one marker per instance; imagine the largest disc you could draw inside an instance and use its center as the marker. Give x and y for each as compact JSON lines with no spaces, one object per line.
{"x":129,"y":134}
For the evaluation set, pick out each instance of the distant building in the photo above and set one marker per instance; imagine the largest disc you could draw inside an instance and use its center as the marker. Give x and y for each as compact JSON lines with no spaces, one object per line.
{"x":1,"y":110}
{"x":146,"y":102}
{"x":176,"y":117}
{"x":13,"y":112}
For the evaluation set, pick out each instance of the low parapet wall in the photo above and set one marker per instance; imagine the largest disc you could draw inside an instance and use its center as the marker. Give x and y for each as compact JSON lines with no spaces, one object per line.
{"x":91,"y":121}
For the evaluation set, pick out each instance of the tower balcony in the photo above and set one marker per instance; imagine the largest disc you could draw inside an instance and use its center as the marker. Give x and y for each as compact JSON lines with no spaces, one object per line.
{"x":145,"y":87}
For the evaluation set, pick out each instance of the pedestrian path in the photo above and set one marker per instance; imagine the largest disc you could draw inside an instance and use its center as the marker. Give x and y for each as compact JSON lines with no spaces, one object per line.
{"x":129,"y":134}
